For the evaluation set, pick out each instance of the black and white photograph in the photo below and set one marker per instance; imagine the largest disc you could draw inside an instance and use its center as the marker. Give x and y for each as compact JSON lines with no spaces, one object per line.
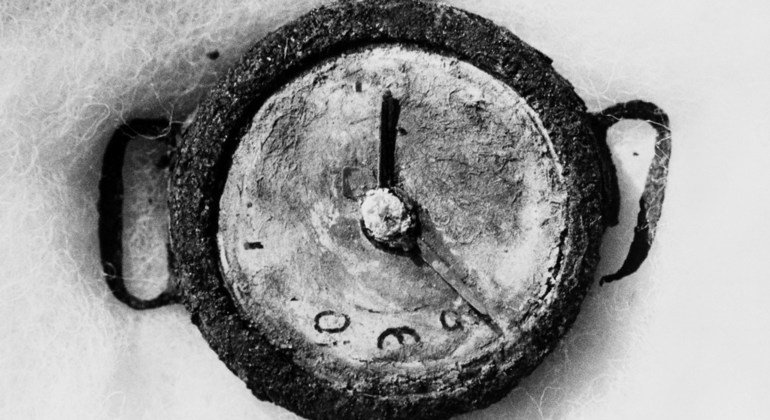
{"x":384,"y":209}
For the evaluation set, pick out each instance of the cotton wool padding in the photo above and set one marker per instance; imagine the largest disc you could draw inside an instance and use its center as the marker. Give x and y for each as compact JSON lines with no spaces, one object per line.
{"x":683,"y":338}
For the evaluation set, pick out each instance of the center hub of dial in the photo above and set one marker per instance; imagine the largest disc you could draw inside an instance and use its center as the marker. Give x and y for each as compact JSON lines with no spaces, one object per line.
{"x":388,"y":219}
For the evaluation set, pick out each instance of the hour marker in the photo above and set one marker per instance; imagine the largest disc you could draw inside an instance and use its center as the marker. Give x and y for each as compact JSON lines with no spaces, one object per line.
{"x":331,"y":322}
{"x":450,"y":321}
{"x":399,"y":334}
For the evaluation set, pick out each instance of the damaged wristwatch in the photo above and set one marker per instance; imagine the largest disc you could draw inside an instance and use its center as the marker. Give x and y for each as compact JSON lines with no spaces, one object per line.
{"x":387,"y":209}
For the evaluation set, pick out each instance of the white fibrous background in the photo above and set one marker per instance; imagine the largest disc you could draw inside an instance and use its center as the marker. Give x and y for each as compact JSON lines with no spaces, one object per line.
{"x":685,"y":337}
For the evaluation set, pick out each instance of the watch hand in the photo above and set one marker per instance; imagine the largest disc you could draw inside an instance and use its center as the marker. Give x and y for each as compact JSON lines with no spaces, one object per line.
{"x":388,"y":130}
{"x":374,"y":211}
{"x":355,"y":181}
{"x":454,"y":275}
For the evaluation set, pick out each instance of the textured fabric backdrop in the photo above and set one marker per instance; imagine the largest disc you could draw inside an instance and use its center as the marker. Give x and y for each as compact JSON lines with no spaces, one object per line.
{"x":686,"y":337}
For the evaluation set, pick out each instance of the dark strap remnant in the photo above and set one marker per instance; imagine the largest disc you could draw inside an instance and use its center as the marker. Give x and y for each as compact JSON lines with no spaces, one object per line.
{"x":651,"y":202}
{"x":110,"y":207}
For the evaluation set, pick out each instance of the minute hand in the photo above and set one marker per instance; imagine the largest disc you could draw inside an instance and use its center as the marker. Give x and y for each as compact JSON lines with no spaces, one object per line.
{"x":453,"y":275}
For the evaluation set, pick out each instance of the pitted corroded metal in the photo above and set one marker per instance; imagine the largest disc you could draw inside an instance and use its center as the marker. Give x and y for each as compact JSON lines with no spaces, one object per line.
{"x":203,"y":163}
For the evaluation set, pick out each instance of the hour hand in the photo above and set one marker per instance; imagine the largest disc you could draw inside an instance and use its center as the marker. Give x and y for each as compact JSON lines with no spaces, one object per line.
{"x":357,"y":181}
{"x":389,"y":113}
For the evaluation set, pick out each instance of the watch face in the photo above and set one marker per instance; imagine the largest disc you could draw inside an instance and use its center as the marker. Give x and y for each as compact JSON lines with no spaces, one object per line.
{"x":388,"y":209}
{"x":473,"y":159}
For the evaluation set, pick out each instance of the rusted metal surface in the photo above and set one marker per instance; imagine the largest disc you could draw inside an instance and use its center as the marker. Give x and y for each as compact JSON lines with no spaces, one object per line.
{"x":280,"y":363}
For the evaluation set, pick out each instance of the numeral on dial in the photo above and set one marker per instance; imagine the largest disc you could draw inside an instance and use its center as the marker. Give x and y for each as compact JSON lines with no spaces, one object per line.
{"x":331,"y":322}
{"x":399,"y":334}
{"x":450,"y":320}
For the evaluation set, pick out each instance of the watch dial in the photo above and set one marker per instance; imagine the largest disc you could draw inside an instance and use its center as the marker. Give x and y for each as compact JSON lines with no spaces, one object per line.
{"x":479,"y":168}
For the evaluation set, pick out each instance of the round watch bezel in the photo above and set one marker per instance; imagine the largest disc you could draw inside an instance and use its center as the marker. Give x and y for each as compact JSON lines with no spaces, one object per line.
{"x":203,"y":161}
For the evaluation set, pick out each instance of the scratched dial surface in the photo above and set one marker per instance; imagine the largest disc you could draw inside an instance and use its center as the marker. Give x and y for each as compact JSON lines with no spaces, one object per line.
{"x":472,"y":155}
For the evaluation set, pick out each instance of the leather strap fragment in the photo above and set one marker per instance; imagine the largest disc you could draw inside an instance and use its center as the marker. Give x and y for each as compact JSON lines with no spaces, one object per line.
{"x":651,"y":201}
{"x":110,"y":208}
